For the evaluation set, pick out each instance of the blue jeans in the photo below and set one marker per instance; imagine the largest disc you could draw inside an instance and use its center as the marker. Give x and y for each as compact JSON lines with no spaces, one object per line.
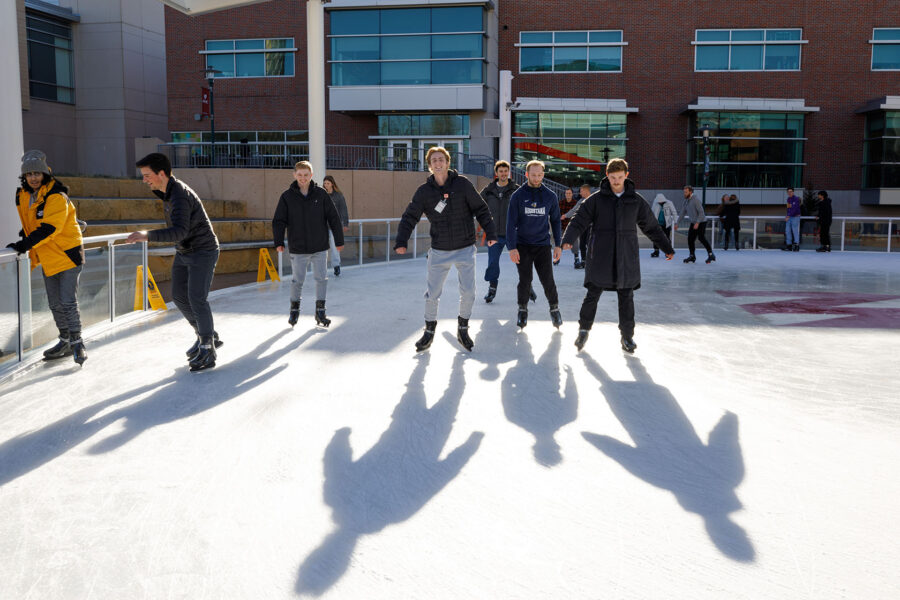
{"x":493,"y":269}
{"x":792,"y":231}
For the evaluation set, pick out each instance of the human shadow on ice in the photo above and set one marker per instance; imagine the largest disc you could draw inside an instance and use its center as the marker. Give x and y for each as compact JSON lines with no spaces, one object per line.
{"x":492,"y":347}
{"x":532,"y":400}
{"x":179,"y":396}
{"x":393,"y":480}
{"x":669,"y":454}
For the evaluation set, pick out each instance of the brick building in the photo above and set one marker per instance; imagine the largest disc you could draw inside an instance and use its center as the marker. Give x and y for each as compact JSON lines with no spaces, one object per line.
{"x":796,"y":94}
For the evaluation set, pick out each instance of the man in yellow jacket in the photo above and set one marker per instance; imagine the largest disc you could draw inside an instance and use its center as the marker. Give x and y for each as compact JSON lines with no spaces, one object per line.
{"x":52,"y":237}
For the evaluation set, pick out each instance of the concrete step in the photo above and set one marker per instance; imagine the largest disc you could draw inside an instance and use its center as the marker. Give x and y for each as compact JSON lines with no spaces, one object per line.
{"x":227,"y":230}
{"x":107,"y":187}
{"x":122,"y":209}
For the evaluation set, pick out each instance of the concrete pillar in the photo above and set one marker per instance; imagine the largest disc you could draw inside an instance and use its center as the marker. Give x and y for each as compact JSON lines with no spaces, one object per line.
{"x":315,"y":84}
{"x":10,"y":122}
{"x":505,"y":150}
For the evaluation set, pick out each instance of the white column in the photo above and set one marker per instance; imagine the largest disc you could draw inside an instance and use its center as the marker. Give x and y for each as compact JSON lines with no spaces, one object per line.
{"x":315,"y":82}
{"x":10,"y":123}
{"x":505,"y":150}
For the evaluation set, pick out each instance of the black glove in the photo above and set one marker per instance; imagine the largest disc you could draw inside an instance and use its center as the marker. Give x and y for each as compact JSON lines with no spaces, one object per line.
{"x":20,"y":247}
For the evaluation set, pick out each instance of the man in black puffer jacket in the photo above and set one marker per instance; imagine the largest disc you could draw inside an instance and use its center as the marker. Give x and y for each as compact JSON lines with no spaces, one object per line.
{"x":307,"y":212}
{"x":196,"y":253}
{"x":450,"y":202}
{"x":612,"y":215}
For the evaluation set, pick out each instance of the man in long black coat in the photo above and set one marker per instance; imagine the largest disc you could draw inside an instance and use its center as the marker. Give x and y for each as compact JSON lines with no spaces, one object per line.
{"x":612,"y":215}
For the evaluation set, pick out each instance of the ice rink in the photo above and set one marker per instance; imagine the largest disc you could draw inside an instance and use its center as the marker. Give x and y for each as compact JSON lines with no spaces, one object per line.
{"x":749,"y":449}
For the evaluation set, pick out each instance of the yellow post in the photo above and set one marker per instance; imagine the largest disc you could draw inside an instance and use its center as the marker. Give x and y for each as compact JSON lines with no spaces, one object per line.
{"x":155,"y":299}
{"x":266,"y":266}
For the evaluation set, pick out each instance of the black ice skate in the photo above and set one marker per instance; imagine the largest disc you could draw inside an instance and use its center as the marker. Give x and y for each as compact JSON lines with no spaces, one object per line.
{"x":654,"y":254}
{"x":582,"y":338}
{"x":711,"y":258}
{"x":522,"y":319}
{"x":206,"y":355}
{"x":492,"y":293}
{"x":532,"y":295}
{"x":690,"y":259}
{"x":193,"y":350}
{"x":321,"y":321}
{"x":294,"y":314}
{"x":555,"y":316}
{"x":61,"y":349}
{"x":337,"y":271}
{"x":628,"y":345}
{"x":462,"y":334}
{"x":78,"y":353}
{"x":424,"y":342}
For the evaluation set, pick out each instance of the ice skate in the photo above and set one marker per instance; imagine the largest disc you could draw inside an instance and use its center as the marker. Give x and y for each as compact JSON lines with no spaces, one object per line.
{"x":206,"y":355}
{"x":491,"y":294}
{"x":321,"y":320}
{"x":193,"y":350}
{"x":628,"y":345}
{"x":294,"y":314}
{"x":582,"y":338}
{"x":690,"y":259}
{"x":462,"y":334}
{"x":424,"y":342}
{"x":522,"y":318}
{"x":61,"y":349}
{"x":711,"y":258}
{"x":555,"y":316}
{"x":77,"y":345}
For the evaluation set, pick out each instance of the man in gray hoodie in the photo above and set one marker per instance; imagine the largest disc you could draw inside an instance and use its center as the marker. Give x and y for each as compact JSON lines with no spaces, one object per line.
{"x":693,"y":208}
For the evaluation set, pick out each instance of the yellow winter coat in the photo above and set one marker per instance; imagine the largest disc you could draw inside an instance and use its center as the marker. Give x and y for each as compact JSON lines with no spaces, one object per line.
{"x":51,"y":231}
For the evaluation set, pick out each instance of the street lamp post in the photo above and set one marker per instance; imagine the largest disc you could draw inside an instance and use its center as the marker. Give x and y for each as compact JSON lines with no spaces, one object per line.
{"x":705,"y":132}
{"x":210,"y":75}
{"x":606,"y":150}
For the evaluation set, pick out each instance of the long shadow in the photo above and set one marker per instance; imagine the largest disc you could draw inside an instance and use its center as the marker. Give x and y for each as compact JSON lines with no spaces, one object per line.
{"x":176,"y":397}
{"x":393,"y":480}
{"x":492,"y":347}
{"x":669,"y":454}
{"x":531,"y":398}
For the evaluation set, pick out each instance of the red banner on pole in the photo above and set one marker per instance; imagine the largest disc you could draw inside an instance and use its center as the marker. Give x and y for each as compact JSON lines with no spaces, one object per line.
{"x":204,"y":101}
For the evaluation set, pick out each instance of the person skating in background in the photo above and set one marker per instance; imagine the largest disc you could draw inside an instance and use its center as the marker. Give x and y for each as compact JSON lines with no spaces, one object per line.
{"x":566,"y":209}
{"x":823,"y":217}
{"x":731,"y":221}
{"x":584,"y":193}
{"x":496,"y":194}
{"x":533,"y":213}
{"x":665,"y":213}
{"x":309,"y":215}
{"x":451,"y":203}
{"x":693,"y":208}
{"x":612,"y":215}
{"x":340,"y":204}
{"x":792,"y":222}
{"x":52,"y":237}
{"x":196,"y":254}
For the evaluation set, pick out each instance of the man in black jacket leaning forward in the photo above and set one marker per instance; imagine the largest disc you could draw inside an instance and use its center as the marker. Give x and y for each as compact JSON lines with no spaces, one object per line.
{"x":307,"y":212}
{"x":450,"y":202}
{"x":196,"y":253}
{"x":612,"y":215}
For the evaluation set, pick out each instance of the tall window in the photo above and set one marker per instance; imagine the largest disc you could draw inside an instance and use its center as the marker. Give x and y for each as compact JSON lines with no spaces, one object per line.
{"x":885,"y":49}
{"x":881,"y":150}
{"x":570,"y":51}
{"x":749,"y":149}
{"x":50,"y":59}
{"x":747,"y":49}
{"x":407,"y":46}
{"x":251,"y":58}
{"x":574,"y":146}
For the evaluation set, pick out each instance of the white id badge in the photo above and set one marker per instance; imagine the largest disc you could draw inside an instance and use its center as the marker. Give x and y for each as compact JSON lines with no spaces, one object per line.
{"x":440,"y":206}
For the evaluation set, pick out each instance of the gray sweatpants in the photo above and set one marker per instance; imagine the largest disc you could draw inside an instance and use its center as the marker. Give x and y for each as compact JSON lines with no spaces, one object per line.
{"x":439,"y":263}
{"x":62,"y":296}
{"x":299,"y":262}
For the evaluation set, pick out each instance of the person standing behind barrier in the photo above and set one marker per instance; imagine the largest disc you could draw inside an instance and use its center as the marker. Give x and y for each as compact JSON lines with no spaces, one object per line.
{"x":665,"y":212}
{"x":311,"y":219}
{"x":792,"y":222}
{"x":340,"y":203}
{"x":496,"y":194}
{"x":824,"y":219}
{"x":693,"y":208}
{"x":450,"y":202}
{"x":731,"y":221}
{"x":533,"y":214}
{"x":52,"y":237}
{"x":196,"y":254}
{"x":613,"y":214}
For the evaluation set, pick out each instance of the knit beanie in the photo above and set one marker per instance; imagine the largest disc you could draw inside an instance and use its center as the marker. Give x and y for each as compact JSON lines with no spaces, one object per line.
{"x":34,"y":161}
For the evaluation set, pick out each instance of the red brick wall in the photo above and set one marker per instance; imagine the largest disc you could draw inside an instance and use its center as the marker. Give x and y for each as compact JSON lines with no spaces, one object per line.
{"x":658,"y":73}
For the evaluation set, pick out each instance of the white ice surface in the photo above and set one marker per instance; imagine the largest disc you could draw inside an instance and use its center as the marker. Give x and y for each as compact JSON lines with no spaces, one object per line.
{"x":729,"y":458}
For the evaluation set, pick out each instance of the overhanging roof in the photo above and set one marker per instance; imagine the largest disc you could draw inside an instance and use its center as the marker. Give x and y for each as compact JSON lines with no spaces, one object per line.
{"x":199,"y":7}
{"x":572,"y":105}
{"x":883,"y":103}
{"x":750,"y":104}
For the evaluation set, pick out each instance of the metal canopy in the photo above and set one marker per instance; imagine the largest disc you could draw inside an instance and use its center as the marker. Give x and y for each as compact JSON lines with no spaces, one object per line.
{"x":199,"y":7}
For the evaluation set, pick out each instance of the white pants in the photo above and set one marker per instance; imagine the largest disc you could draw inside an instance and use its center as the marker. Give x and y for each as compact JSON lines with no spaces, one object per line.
{"x":439,"y":263}
{"x":299,"y":263}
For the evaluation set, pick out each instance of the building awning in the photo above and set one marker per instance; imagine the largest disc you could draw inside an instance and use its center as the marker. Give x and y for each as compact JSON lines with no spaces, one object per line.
{"x":199,"y":7}
{"x":52,"y":10}
{"x":571,"y":105}
{"x":711,"y":103}
{"x":883,"y":103}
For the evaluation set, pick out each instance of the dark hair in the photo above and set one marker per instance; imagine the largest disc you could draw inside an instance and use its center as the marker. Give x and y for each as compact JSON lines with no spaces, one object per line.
{"x":823,"y":193}
{"x":157,"y":162}
{"x":501,"y":163}
{"x":333,"y":183}
{"x":44,"y":181}
{"x":689,"y":187}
